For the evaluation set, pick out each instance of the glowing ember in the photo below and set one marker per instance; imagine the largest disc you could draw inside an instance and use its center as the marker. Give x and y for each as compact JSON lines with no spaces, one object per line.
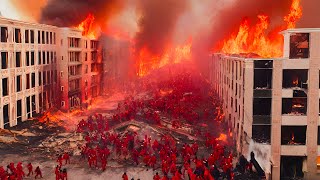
{"x":295,"y":81}
{"x":88,"y":28}
{"x":255,"y":39}
{"x":173,"y":55}
{"x":222,"y":137}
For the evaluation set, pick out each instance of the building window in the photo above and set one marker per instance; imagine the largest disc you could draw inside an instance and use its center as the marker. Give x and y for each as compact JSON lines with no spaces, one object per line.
{"x":44,"y":75}
{"x":18,"y":59}
{"x":26,"y":36}
{"x":27,"y":81}
{"x":4,"y":60}
{"x":299,"y":46}
{"x":318,"y":135}
{"x":48,"y":76}
{"x":27,"y":59}
{"x":40,"y":78}
{"x":5,"y":87}
{"x":42,"y":37}
{"x":262,"y":106}
{"x":4,"y":34}
{"x":51,"y":57}
{"x":48,"y":56}
{"x":62,"y":88}
{"x":295,"y":78}
{"x":62,"y":103}
{"x":39,"y":58}
{"x":32,"y":36}
{"x":61,"y":73}
{"x":54,"y":38}
{"x":293,"y":135}
{"x":39,"y":37}
{"x":43,"y":57}
{"x":17,"y":35}
{"x":47,"y":37}
{"x":294,"y":106}
{"x":32,"y":58}
{"x":19,"y":83}
{"x":33,"y":80}
{"x":50,"y":37}
{"x":261,"y":133}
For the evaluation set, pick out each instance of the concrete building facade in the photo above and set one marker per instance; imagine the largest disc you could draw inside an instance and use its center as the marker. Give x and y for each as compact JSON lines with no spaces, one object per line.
{"x":272,"y":105}
{"x":44,"y":66}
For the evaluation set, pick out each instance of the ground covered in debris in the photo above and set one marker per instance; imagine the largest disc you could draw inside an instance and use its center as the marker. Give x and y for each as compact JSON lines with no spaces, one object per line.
{"x":176,"y":120}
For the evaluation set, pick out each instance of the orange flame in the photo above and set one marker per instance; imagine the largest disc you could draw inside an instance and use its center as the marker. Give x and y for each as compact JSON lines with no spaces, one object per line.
{"x":88,"y":28}
{"x":295,"y":81}
{"x":255,"y":39}
{"x":173,"y":55}
{"x":222,"y":137}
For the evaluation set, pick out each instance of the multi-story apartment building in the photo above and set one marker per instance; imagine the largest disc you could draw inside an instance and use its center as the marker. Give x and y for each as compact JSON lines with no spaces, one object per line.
{"x":44,"y":66}
{"x":80,"y":69}
{"x":28,"y":70}
{"x":272,"y":105}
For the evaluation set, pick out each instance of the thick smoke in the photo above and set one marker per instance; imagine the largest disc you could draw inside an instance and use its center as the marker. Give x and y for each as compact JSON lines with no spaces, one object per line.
{"x":157,"y":23}
{"x":71,"y":12}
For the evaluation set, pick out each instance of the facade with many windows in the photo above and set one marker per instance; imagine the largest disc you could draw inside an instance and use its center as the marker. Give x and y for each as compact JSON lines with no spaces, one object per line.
{"x":272,"y":105}
{"x":80,"y":69}
{"x":44,"y":66}
{"x":28,"y":70}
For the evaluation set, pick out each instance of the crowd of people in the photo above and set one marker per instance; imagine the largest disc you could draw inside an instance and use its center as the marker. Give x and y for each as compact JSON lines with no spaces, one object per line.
{"x":182,"y":101}
{"x":13,"y":172}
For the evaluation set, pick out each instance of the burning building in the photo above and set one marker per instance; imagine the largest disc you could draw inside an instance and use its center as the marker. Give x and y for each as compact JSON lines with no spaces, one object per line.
{"x":45,"y":66}
{"x":274,"y":102}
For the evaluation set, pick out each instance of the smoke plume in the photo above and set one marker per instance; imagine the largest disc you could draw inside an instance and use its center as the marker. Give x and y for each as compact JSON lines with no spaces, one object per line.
{"x":157,"y":23}
{"x":71,"y":12}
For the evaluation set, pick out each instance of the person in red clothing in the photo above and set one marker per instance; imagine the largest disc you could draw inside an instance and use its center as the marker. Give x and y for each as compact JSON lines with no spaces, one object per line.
{"x":59,"y":160}
{"x":30,"y":169}
{"x":57,"y":172}
{"x":124,"y":176}
{"x":66,"y":157}
{"x":156,"y":177}
{"x":20,"y":173}
{"x":38,"y":172}
{"x":64,"y":174}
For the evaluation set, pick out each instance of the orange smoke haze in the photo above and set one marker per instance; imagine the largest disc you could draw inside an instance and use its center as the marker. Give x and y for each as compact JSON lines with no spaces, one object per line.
{"x":255,"y":39}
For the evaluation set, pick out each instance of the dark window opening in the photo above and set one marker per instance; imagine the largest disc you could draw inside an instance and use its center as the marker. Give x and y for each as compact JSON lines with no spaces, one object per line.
{"x":295,"y":78}
{"x":27,"y":81}
{"x":39,"y":58}
{"x":26,"y":36}
{"x":32,"y":58}
{"x":48,"y":56}
{"x":47,"y":37}
{"x":39,"y":37}
{"x":27,"y":59}
{"x":4,"y":34}
{"x":33,"y":105}
{"x":263,"y":64}
{"x":18,"y":59}
{"x":19,"y":111}
{"x":4,"y":60}
{"x":261,"y":133}
{"x":42,"y":37}
{"x":318,"y":135}
{"x":299,"y":45}
{"x":33,"y":80}
{"x":19,"y":83}
{"x":28,"y":107}
{"x":17,"y":35}
{"x":5,"y":87}
{"x":43,"y":57}
{"x":294,"y":106}
{"x":6,"y":122}
{"x":44,"y":74}
{"x":50,"y":37}
{"x":291,"y":167}
{"x":262,"y":79}
{"x":40,"y":77}
{"x":32,"y":36}
{"x":299,"y":93}
{"x":54,"y":38}
{"x":293,"y":135}
{"x":262,"y":106}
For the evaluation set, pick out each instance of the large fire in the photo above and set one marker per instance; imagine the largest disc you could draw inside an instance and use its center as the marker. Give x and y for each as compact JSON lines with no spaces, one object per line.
{"x":256,"y":39}
{"x":88,"y":28}
{"x":146,"y":61}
